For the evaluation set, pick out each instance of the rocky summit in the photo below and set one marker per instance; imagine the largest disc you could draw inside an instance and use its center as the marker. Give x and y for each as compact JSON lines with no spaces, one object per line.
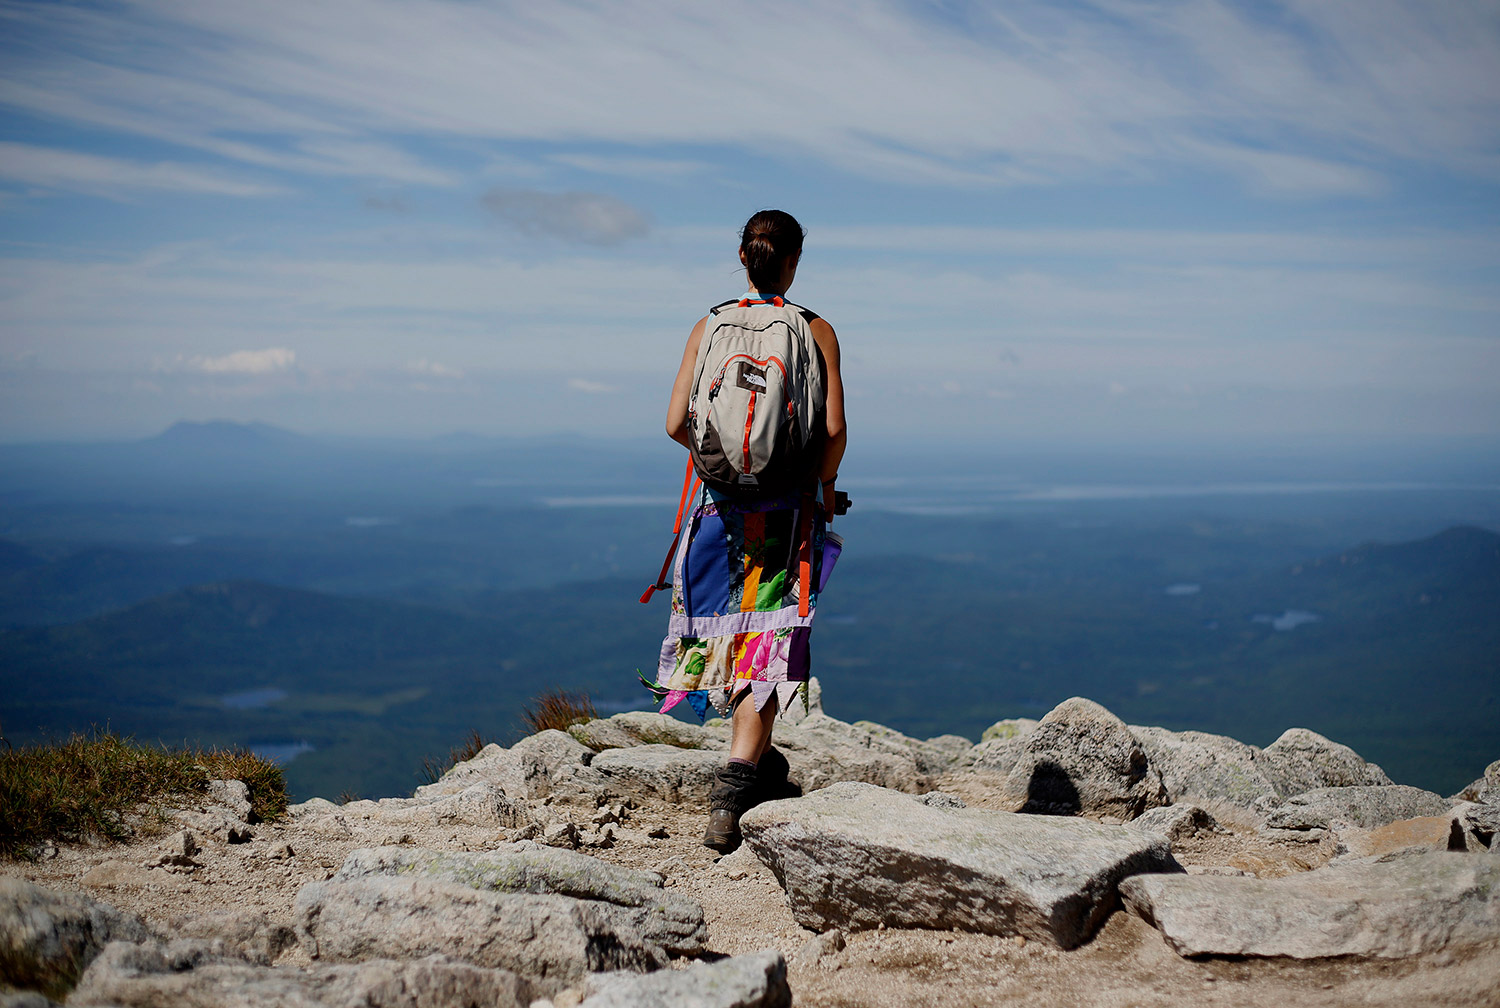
{"x":1070,"y":860}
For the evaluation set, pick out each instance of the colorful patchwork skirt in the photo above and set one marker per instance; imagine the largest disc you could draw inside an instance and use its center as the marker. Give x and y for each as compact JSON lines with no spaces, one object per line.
{"x":737,"y":620}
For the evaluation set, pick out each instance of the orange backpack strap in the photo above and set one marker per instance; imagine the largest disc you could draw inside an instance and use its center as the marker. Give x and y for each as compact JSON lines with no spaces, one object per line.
{"x":689,"y":487}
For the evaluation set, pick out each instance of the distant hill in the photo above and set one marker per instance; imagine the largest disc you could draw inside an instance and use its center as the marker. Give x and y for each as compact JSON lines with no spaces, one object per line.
{"x":1457,"y":566}
{"x":374,"y":686}
{"x":1394,"y":649}
{"x":1391,"y":648}
{"x":226,"y":435}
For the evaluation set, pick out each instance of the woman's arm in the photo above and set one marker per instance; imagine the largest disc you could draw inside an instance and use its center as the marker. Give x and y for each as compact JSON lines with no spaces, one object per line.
{"x":682,"y":388}
{"x":833,"y":384}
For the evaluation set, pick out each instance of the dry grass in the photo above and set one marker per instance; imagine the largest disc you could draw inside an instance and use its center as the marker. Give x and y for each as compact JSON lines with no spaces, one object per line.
{"x":558,"y":709}
{"x":94,"y":786}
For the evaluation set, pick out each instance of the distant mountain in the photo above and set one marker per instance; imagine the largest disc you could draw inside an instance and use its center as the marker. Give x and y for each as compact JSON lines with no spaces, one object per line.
{"x":1455,"y":564}
{"x":226,"y":435}
{"x":1393,"y":649}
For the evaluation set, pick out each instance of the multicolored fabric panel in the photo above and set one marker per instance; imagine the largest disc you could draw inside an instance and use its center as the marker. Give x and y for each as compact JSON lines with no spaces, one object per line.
{"x":735,"y":620}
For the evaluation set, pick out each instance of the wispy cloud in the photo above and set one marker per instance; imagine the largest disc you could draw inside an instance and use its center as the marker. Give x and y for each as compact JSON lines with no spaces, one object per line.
{"x":590,"y":386}
{"x":580,"y":217}
{"x":650,"y":169}
{"x":434,"y":369}
{"x":1272,"y":173}
{"x":52,"y":169}
{"x":245,"y":362}
{"x":1312,"y":97}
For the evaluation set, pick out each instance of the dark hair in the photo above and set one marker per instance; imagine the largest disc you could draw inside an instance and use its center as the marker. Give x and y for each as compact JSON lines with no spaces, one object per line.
{"x":767,"y":240}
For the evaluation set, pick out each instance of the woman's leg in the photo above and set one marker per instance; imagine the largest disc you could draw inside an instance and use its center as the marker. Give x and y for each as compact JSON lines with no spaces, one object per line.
{"x":734,"y":788}
{"x":751,"y":728}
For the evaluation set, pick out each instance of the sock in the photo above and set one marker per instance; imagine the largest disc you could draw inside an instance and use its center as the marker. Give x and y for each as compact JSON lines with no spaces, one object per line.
{"x":742,"y":762}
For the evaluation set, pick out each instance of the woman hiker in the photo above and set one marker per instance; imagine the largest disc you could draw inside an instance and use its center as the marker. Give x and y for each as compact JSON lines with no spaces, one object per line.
{"x":759,"y":403}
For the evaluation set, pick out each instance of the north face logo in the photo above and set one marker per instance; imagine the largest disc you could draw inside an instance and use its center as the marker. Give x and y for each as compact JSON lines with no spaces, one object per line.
{"x":751,"y":377}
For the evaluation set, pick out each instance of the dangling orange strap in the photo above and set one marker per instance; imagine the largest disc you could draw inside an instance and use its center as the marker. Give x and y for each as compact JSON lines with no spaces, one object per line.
{"x":689,"y":483}
{"x":804,"y":559}
{"x":689,"y":489}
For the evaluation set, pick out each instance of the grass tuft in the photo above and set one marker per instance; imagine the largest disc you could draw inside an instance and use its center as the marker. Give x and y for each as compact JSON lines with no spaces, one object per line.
{"x":92,"y":786}
{"x":433,"y":768}
{"x":558,"y":709}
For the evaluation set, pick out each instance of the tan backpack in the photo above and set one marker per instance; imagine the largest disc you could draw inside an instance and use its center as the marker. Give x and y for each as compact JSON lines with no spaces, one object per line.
{"x":756,"y":414}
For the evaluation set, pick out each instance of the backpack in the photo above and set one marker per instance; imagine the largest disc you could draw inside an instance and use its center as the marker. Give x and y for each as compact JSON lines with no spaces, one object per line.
{"x":756,"y":413}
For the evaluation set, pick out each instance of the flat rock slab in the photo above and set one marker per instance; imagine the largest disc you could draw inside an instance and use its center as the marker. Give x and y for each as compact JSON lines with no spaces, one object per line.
{"x":667,"y":917}
{"x":1388,"y":910}
{"x":757,"y":980}
{"x":634,"y":728}
{"x":856,"y":856}
{"x":150,"y":976}
{"x":1361,"y":806}
{"x":659,"y":772}
{"x":552,"y":941}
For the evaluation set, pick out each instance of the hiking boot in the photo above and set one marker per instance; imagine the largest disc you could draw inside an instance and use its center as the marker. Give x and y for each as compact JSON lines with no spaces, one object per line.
{"x":723,"y":832}
{"x":732,"y":795}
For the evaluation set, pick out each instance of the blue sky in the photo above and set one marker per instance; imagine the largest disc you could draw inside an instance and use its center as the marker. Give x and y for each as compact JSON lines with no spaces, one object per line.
{"x":1122,"y":221}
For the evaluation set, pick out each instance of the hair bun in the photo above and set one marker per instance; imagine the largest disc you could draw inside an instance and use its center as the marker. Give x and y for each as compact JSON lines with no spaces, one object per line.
{"x":767,"y":240}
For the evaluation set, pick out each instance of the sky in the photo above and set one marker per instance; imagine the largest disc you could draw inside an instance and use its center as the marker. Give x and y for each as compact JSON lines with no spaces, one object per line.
{"x":1118,"y":222}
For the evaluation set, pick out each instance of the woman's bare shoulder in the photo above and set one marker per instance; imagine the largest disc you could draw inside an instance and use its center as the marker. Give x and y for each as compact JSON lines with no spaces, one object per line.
{"x":696,"y":336}
{"x":824,"y":336}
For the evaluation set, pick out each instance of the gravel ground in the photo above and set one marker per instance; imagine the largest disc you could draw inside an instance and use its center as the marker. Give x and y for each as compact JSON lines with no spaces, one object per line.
{"x":1126,"y":964}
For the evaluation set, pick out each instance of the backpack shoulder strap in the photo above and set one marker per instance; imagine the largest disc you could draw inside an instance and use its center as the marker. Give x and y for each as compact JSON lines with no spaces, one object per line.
{"x":807,"y":314}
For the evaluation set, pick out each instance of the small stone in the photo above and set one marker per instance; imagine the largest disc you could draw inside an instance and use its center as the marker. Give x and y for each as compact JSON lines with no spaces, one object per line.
{"x":659,"y":833}
{"x":818,"y":946}
{"x":233,"y":795}
{"x":1020,"y":941}
{"x":282,"y":852}
{"x":563,"y":834}
{"x":671,"y":867}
